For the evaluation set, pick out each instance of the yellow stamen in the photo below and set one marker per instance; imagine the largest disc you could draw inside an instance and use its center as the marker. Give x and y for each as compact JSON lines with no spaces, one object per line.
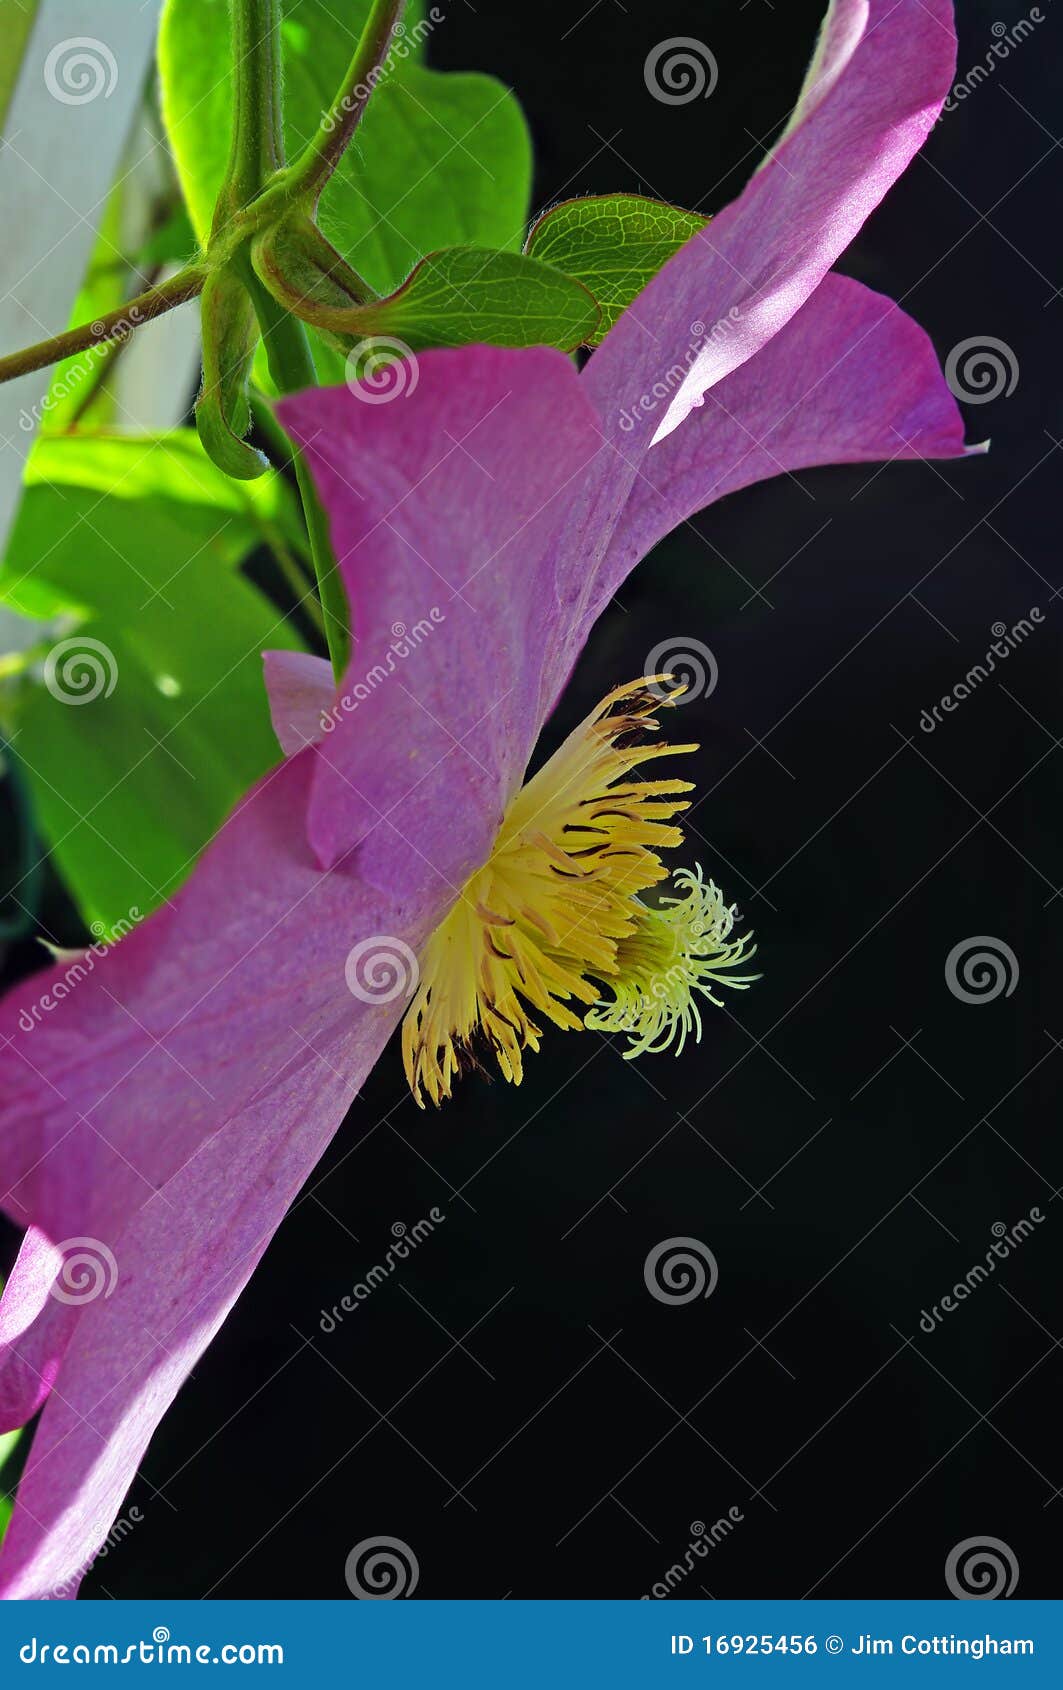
{"x":681,"y":947}
{"x":554,"y":913}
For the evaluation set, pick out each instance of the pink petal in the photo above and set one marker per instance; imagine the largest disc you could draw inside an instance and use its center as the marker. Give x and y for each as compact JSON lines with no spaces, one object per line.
{"x":168,"y":1109}
{"x":34,"y":1328}
{"x":183,"y":1259}
{"x":301,"y":694}
{"x":850,"y":379}
{"x":454,"y":598}
{"x":874,"y":91}
{"x":880,"y":76}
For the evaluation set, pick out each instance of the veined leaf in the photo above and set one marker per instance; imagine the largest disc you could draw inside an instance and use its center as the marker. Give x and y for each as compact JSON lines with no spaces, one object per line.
{"x":466,"y":295}
{"x":613,"y":243}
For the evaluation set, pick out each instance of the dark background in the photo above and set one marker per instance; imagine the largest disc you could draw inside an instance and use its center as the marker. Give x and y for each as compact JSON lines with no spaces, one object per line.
{"x":513,"y":1404}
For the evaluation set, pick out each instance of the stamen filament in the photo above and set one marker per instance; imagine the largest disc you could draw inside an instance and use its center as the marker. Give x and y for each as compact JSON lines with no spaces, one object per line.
{"x":555,"y":916}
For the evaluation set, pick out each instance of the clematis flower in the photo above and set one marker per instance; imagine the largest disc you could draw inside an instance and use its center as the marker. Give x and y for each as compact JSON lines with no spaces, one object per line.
{"x":157,"y":1125}
{"x":556,"y":913}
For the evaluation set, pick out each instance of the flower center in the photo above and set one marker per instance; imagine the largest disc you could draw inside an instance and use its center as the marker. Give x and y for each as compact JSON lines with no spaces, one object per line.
{"x":681,"y":947}
{"x":554,"y":914}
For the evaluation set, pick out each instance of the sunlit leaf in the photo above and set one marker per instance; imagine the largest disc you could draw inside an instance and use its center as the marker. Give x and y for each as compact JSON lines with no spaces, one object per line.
{"x":467,"y":295}
{"x":613,"y":243}
{"x":140,"y":717}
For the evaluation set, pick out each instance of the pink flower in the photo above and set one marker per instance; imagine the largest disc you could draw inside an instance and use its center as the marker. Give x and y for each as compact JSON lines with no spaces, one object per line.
{"x":155,"y":1129}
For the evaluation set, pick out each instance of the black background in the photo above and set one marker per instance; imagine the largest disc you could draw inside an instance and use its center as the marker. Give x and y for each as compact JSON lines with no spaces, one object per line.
{"x":513,"y":1404}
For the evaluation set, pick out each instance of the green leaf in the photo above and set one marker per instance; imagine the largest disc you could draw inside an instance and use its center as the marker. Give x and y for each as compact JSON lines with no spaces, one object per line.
{"x":173,"y":242}
{"x":13,"y":1450}
{"x":439,"y":159}
{"x":613,"y":243}
{"x":162,"y":492}
{"x":466,"y":295}
{"x":16,"y":21}
{"x":103,"y":288}
{"x":135,"y":758}
{"x":20,"y":864}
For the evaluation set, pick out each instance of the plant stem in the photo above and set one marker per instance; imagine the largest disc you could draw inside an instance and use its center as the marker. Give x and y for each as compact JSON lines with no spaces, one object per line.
{"x":299,"y":586}
{"x":104,"y":367}
{"x":112,"y":325}
{"x":257,"y":149}
{"x":256,"y":158}
{"x":306,"y":177}
{"x":292,"y":368}
{"x":278,"y":447}
{"x":297,"y":570}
